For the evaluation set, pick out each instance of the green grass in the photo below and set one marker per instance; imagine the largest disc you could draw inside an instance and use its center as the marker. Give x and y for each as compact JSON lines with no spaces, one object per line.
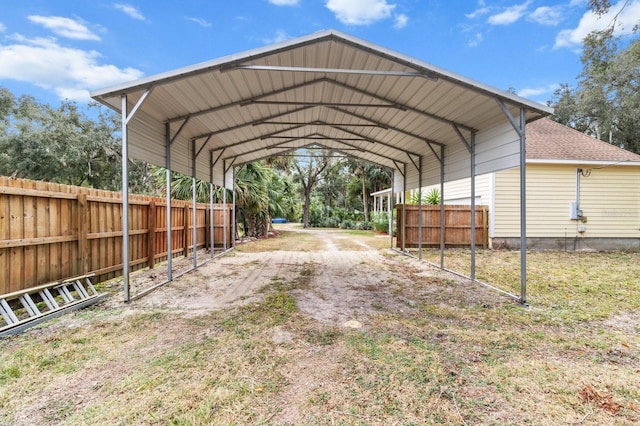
{"x":459,"y":355}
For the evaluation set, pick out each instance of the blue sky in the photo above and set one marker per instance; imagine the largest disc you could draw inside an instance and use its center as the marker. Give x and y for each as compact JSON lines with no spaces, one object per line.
{"x":62,"y":49}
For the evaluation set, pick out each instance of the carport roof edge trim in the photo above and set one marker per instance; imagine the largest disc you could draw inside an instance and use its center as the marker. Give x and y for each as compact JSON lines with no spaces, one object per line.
{"x":237,"y":58}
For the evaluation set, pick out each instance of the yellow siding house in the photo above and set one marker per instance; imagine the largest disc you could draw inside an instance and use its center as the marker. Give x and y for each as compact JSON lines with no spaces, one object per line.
{"x":582,"y":193}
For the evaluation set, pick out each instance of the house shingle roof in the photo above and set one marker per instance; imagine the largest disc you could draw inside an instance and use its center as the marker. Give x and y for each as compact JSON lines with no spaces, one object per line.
{"x":549,"y":140}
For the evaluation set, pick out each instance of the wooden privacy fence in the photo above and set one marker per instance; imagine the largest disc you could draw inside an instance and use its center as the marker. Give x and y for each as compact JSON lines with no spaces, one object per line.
{"x":49,"y":232}
{"x":457,"y":225}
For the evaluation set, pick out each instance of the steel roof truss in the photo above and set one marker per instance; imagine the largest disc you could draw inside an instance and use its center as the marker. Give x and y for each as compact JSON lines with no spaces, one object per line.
{"x":516,"y":126}
{"x":251,"y":123}
{"x":271,"y":155}
{"x":462,"y":138}
{"x":138,"y":104}
{"x":226,"y":169}
{"x":404,"y":107}
{"x":414,"y":163}
{"x":400,"y":169}
{"x":435,"y":154}
{"x":330,"y":70}
{"x":370,"y":152}
{"x":243,"y":102}
{"x":322,"y":123}
{"x":274,"y":134}
{"x":182,"y":126}
{"x":354,"y":105}
{"x":379,"y":142}
{"x":202,"y":147}
{"x":213,"y":163}
{"x":387,"y":126}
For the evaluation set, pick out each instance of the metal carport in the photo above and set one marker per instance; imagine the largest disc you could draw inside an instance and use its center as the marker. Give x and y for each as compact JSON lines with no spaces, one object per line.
{"x":330,"y":89}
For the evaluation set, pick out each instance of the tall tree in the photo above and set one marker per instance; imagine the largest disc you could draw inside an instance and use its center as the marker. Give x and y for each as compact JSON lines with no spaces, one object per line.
{"x":62,"y":144}
{"x":606,"y":101}
{"x":371,"y":178}
{"x":308,"y":172}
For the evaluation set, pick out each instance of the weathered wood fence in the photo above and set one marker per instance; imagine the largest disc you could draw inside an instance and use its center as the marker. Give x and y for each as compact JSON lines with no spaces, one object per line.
{"x":457,"y":225}
{"x":49,"y":232}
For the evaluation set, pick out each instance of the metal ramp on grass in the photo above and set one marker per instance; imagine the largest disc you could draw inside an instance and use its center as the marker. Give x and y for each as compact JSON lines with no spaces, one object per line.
{"x":26,"y":308}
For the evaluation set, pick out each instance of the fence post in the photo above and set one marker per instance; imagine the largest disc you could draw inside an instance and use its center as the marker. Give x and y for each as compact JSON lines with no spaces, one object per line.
{"x":83,"y":231}
{"x":185,"y":235}
{"x":151,"y":238}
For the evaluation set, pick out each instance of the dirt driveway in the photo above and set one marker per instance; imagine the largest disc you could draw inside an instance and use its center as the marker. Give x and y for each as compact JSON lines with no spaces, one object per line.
{"x":347,"y":276}
{"x":331,"y":327}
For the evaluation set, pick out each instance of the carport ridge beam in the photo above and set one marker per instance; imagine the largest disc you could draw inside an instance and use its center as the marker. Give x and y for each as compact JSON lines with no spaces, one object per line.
{"x":331,"y":71}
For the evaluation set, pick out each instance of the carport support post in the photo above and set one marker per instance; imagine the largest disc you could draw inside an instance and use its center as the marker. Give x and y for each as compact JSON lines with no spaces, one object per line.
{"x":125,"y":200}
{"x":420,"y":208}
{"x":224,"y":205}
{"x":212,"y":235}
{"x":126,"y":117}
{"x":520,"y":128}
{"x":473,"y":205}
{"x":442,"y":216}
{"x":391,"y":200}
{"x":233,"y":212}
{"x":168,"y":195}
{"x":404,"y":208}
{"x":389,"y":214}
{"x":523,"y":208}
{"x":194,"y":215}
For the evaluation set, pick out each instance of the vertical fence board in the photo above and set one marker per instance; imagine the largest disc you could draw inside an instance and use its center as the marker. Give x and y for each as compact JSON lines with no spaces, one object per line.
{"x":5,"y":274}
{"x":151,"y":234}
{"x":43,"y":231}
{"x":457,"y":225}
{"x":49,"y":232}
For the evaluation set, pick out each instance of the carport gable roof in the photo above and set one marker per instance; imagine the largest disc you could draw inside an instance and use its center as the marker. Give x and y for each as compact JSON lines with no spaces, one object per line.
{"x":327,"y":88}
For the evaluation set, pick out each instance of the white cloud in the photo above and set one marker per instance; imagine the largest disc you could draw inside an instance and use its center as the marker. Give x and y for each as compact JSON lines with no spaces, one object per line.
{"x":481,"y":10}
{"x":545,"y":15}
{"x":68,"y":72}
{"x":131,"y":11}
{"x":280,"y":36}
{"x":400,"y":21}
{"x":625,"y":21}
{"x":360,"y":12}
{"x":476,"y":40}
{"x":200,"y":21}
{"x":284,"y":2}
{"x":64,"y":27}
{"x":3,"y":28}
{"x":509,"y":15}
{"x":537,"y":91}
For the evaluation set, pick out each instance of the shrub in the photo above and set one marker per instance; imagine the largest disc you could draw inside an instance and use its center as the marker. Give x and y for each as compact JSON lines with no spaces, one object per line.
{"x":381,"y":222}
{"x":347,"y":224}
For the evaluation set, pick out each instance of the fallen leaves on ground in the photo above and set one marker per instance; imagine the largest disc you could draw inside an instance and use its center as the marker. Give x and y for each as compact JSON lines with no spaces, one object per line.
{"x":589,"y":394}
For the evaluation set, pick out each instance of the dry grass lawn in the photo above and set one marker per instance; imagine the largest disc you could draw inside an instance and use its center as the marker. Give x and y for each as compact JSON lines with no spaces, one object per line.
{"x":333,"y":328}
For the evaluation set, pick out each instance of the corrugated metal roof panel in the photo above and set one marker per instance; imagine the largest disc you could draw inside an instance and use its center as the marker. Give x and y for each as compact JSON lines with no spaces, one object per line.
{"x":326,"y":88}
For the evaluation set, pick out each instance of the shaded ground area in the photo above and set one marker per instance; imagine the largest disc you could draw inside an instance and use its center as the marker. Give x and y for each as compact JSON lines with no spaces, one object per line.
{"x":334,"y":276}
{"x":331,"y":327}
